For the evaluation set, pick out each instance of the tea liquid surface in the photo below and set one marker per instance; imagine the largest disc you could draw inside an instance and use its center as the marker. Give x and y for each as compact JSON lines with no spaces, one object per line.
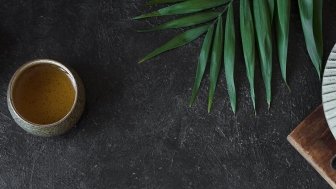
{"x":43,"y":94}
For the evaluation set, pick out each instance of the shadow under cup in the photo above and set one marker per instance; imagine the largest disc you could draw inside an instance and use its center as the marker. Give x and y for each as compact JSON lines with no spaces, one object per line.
{"x":45,"y":97}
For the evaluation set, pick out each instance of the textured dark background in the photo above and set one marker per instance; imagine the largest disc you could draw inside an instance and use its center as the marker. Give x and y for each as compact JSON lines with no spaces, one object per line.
{"x":137,"y":130}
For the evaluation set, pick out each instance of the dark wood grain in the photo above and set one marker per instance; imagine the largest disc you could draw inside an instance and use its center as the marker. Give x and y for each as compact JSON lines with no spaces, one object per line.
{"x":314,"y":141}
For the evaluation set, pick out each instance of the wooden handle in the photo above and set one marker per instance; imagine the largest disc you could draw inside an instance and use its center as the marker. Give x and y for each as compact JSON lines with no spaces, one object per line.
{"x":314,"y":141}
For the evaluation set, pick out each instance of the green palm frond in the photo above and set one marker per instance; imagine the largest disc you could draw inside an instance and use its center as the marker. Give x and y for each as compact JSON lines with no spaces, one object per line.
{"x":229,"y":56}
{"x":185,"y":7}
{"x":178,"y":41}
{"x":202,"y":62}
{"x":263,"y":23}
{"x":216,"y":59}
{"x":215,"y":19}
{"x":249,"y":46}
{"x":282,"y":33}
{"x":155,"y":2}
{"x":187,"y":21}
{"x":311,"y":19}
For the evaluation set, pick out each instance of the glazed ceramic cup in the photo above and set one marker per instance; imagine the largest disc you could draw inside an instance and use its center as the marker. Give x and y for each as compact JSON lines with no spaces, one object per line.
{"x":58,"y":127}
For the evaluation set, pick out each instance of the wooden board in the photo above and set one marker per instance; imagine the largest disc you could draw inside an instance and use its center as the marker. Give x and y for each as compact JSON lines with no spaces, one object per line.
{"x":314,"y":141}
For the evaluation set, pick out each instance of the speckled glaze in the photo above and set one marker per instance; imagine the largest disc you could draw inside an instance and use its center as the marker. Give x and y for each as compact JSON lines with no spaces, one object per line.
{"x":61,"y":126}
{"x":329,"y":91}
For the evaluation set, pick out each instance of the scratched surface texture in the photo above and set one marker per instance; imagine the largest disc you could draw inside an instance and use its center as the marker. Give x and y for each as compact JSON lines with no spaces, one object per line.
{"x":137,"y":130}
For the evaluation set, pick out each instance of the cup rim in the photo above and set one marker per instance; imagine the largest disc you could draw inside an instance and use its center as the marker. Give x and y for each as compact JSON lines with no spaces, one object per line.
{"x":30,"y":64}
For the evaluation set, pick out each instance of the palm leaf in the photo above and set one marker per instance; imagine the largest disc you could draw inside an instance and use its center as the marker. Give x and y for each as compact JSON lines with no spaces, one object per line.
{"x":263,"y":30}
{"x":248,"y":43}
{"x":229,"y":57}
{"x":178,"y":41}
{"x":311,"y":13}
{"x":185,"y":7}
{"x":202,"y":62}
{"x":255,"y":29}
{"x":216,"y":59}
{"x":154,"y":2}
{"x":186,"y":21}
{"x":271,"y":5}
{"x":282,"y":32}
{"x":317,"y":25}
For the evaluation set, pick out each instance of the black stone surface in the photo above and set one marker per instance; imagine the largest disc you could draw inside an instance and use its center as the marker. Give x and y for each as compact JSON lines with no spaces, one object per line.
{"x":137,"y":130}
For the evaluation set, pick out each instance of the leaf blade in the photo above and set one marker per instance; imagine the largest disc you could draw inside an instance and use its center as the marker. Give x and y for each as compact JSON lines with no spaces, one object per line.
{"x":271,"y":5}
{"x":248,"y":44}
{"x":306,"y":8}
{"x":178,"y":41}
{"x":184,"y":7}
{"x":317,"y":25}
{"x":203,"y":60}
{"x":186,"y":21}
{"x":282,"y":34}
{"x":229,"y":57}
{"x":154,"y":2}
{"x":263,"y":24}
{"x":216,"y":56}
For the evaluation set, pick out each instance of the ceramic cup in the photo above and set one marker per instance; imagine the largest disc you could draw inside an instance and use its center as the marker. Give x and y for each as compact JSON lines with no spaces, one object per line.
{"x":58,"y":127}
